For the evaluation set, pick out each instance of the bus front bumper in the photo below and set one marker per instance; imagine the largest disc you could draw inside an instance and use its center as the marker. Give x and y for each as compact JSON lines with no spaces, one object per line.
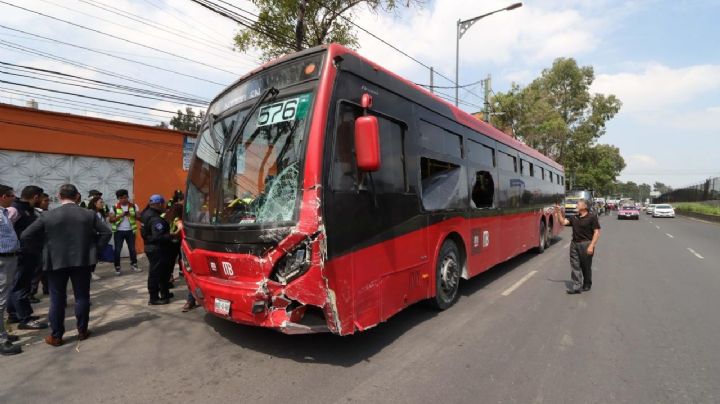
{"x":249,"y":303}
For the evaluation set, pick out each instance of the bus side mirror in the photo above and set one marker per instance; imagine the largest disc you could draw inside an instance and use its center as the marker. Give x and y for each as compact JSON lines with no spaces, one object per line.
{"x":367,"y":143}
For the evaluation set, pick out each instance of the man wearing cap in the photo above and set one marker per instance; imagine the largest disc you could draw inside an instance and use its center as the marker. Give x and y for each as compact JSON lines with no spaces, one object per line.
{"x":158,"y":244}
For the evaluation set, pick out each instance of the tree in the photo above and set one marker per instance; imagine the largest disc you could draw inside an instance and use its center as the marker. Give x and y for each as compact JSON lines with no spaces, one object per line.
{"x":188,"y":121}
{"x":286,"y":26}
{"x":558,"y":115}
{"x":662,"y":188}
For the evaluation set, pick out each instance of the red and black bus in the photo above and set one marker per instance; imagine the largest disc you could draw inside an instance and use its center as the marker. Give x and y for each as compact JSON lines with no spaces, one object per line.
{"x":327,"y":194}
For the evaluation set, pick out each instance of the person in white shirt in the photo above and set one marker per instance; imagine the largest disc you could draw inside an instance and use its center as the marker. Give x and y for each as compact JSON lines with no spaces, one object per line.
{"x":124,"y":220}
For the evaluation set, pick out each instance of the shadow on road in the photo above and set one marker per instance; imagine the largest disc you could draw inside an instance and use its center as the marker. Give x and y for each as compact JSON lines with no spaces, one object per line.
{"x":350,"y":350}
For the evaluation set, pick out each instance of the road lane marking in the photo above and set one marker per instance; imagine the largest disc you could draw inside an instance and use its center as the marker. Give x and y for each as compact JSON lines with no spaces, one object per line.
{"x":518,"y":283}
{"x":696,"y":254}
{"x":657,"y":227}
{"x":669,"y":235}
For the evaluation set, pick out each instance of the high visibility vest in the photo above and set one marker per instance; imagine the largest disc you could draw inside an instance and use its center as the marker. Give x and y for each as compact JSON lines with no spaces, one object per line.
{"x":119,"y":213}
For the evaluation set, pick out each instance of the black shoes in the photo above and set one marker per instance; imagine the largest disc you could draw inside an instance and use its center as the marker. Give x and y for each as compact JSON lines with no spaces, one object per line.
{"x":13,"y":338}
{"x":158,"y":302}
{"x":572,"y":292}
{"x":586,"y":288}
{"x":8,"y":348}
{"x":32,"y":325}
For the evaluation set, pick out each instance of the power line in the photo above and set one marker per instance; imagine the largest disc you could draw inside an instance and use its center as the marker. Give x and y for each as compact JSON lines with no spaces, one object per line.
{"x":450,"y":87}
{"x":114,"y":56}
{"x":90,"y":87}
{"x":85,"y":96}
{"x":120,"y":38}
{"x":20,"y":48}
{"x":80,"y":103}
{"x":206,"y":45}
{"x":80,"y":79}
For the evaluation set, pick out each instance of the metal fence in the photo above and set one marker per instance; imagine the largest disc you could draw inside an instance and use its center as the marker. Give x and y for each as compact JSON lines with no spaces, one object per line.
{"x":708,"y":190}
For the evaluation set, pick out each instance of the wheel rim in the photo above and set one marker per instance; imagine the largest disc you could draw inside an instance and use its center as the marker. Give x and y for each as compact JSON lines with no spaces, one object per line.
{"x":449,"y":276}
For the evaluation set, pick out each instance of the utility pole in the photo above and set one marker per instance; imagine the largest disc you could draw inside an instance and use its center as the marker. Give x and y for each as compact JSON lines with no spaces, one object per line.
{"x":487,"y":88}
{"x":432,"y":80}
{"x":460,"y":28}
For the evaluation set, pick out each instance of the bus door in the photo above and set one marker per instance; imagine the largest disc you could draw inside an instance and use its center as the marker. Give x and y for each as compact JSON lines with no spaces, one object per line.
{"x":484,"y":220}
{"x":511,"y":187}
{"x":372,"y":219}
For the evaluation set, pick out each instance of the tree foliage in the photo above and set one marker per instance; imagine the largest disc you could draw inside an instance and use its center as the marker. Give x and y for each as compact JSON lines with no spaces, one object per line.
{"x":662,"y":188}
{"x":632,"y":190}
{"x":188,"y":121}
{"x":558,"y":115}
{"x":286,"y":26}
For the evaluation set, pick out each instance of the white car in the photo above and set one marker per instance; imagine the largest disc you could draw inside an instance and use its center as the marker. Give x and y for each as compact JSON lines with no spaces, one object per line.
{"x":650,"y":208}
{"x":663,"y":211}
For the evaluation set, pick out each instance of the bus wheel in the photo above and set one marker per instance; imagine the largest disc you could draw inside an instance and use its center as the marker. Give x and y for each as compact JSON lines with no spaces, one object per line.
{"x":447,"y":276}
{"x":549,"y":236}
{"x":543,"y":239}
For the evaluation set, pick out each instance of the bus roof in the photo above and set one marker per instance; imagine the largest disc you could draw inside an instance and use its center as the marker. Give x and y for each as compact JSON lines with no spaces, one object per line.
{"x":458,"y":115}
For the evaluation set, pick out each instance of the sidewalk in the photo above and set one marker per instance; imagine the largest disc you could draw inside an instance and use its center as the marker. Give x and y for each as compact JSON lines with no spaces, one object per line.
{"x":117,"y":302}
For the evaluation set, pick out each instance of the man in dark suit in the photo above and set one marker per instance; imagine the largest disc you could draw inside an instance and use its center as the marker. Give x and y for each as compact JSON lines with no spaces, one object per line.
{"x":70,"y":236}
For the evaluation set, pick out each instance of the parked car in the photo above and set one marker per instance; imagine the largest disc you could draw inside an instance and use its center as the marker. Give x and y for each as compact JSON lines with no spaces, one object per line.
{"x":629,"y":212}
{"x":650,"y":209}
{"x":663,"y":211}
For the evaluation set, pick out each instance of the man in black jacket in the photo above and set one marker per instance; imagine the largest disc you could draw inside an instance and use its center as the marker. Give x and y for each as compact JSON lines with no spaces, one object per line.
{"x":158,"y":247}
{"x":70,"y":236}
{"x":23,"y":214}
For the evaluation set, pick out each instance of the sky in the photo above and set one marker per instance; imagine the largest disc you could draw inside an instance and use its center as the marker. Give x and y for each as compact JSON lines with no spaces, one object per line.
{"x":661,"y":58}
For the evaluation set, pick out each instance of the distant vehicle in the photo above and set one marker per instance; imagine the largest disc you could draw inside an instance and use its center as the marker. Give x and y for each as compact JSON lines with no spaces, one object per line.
{"x":663,"y":211}
{"x":629,"y":212}
{"x":650,"y":208}
{"x":572,"y":197}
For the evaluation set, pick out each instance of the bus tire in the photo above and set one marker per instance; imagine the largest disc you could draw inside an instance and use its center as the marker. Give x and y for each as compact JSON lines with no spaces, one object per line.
{"x":448,"y":270}
{"x":549,"y":238}
{"x":543,"y":239}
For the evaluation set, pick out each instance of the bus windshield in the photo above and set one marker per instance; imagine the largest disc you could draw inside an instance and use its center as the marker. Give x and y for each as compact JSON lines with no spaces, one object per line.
{"x":259,"y":175}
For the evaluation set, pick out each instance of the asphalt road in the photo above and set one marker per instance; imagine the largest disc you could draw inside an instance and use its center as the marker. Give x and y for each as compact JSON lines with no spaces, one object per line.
{"x":648,"y":332}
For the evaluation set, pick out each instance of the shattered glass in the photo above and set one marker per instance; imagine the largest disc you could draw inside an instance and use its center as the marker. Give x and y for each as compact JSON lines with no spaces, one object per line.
{"x":260,"y":174}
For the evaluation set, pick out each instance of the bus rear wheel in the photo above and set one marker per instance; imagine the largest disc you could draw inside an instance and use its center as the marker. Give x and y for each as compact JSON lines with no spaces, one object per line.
{"x":447,"y":276}
{"x":543,"y":239}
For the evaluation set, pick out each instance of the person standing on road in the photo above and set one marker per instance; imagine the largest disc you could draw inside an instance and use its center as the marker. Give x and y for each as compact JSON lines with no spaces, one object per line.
{"x":9,"y":247}
{"x":158,"y":248}
{"x":124,"y":226}
{"x":69,"y":237}
{"x":585,"y":235}
{"x":23,"y":214}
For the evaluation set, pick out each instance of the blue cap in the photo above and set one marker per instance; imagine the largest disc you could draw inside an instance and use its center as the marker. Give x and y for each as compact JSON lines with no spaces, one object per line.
{"x":157,"y":199}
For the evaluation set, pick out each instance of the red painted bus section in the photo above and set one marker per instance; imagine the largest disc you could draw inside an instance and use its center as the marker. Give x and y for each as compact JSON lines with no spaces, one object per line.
{"x":367,"y":286}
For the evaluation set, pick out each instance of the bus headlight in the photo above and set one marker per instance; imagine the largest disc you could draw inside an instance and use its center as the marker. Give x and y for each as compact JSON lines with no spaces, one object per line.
{"x":292,"y":265}
{"x":185,"y":261}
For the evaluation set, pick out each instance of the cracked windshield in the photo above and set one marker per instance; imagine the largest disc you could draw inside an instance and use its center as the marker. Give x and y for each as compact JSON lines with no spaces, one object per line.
{"x":255,"y":179}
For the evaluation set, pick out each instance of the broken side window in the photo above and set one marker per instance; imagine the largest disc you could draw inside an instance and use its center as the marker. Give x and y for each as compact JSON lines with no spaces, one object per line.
{"x":444,"y":185}
{"x":483,"y":191}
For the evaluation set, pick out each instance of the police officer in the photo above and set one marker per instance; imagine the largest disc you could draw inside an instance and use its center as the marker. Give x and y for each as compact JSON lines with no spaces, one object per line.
{"x":158,"y":248}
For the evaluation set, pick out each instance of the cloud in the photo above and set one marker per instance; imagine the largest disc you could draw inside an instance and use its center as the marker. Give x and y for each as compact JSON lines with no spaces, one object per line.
{"x":641,"y":161}
{"x":659,"y":87}
{"x":535,"y":33}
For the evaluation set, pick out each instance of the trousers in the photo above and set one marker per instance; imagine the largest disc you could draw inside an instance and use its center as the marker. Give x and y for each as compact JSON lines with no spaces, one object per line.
{"x":8,"y":266}
{"x":159,"y":274}
{"x":127,"y":236}
{"x":57,"y":283}
{"x":19,"y":303}
{"x":581,"y":264}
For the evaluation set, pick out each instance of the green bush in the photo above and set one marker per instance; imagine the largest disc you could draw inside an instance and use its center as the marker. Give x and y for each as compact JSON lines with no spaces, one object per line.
{"x":698,"y":207}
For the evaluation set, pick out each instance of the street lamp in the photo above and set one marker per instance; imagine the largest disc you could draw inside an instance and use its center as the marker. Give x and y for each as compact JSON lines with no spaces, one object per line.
{"x":462,"y":27}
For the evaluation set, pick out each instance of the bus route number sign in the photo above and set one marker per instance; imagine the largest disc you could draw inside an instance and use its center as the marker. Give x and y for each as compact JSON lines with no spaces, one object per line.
{"x":287,"y":110}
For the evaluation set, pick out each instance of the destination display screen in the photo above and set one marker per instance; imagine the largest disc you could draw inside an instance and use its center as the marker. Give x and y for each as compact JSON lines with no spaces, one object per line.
{"x":282,"y":76}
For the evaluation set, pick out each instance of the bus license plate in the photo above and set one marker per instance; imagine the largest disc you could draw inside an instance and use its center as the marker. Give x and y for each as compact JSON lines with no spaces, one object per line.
{"x":222,"y":307}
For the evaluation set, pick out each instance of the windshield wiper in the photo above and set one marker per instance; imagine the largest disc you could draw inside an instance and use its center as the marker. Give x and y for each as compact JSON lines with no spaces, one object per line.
{"x":272,"y":91}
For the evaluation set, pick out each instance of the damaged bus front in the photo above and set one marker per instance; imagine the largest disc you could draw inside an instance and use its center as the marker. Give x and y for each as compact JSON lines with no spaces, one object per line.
{"x":253,"y":245}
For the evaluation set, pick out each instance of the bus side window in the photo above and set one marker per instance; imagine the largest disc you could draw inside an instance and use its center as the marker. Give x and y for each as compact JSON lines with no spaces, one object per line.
{"x":444,"y":185}
{"x":483,"y":191}
{"x":390,"y":178}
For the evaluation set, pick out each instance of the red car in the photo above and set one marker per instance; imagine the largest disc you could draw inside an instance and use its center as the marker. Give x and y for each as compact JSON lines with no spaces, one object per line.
{"x":629,"y":212}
